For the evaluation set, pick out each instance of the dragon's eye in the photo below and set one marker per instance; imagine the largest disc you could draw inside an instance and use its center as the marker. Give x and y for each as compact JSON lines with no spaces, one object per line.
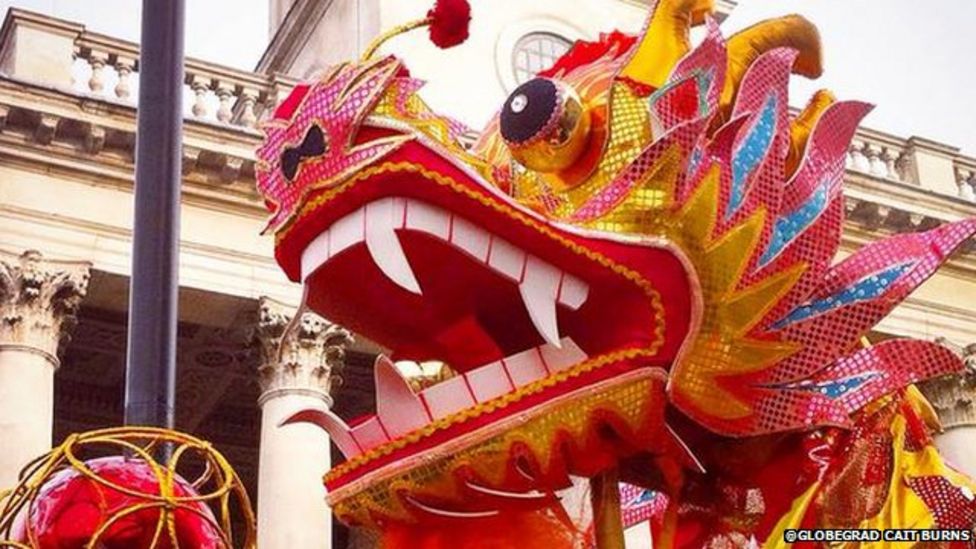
{"x":545,"y":124}
{"x":312,"y":146}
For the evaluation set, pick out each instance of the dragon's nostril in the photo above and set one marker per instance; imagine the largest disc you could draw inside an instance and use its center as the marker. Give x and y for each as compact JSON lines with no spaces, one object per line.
{"x":545,"y":125}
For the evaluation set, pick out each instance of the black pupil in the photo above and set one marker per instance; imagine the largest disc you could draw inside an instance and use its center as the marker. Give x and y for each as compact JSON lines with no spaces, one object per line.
{"x":312,"y":146}
{"x":528,"y":109}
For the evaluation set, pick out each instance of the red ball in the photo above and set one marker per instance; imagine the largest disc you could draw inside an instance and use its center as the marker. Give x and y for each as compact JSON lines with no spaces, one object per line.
{"x":70,"y":508}
{"x":449,"y":20}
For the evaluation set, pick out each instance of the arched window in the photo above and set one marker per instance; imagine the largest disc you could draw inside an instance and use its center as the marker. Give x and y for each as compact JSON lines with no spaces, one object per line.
{"x":535,"y":52}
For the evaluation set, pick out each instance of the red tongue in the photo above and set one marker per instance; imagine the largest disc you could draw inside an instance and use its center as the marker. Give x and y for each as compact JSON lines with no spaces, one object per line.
{"x":463,"y":345}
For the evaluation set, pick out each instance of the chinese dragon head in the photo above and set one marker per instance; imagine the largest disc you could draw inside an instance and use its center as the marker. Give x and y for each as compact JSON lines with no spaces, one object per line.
{"x":631,"y":269}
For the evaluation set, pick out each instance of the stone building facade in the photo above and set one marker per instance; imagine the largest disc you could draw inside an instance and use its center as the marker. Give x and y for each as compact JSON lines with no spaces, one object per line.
{"x":67,"y":123}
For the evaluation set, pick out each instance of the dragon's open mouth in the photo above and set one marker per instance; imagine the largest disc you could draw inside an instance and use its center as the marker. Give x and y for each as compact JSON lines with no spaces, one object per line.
{"x":457,"y":272}
{"x":510,"y":300}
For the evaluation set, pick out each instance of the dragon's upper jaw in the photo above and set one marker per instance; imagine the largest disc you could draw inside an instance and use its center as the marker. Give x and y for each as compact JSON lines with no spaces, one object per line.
{"x":452,"y":269}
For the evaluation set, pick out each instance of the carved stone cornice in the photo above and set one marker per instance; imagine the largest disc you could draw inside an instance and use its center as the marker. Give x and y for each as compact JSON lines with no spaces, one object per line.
{"x":304,"y":357}
{"x":954,"y":396}
{"x":49,"y":129}
{"x":876,"y":216}
{"x":39,"y":300}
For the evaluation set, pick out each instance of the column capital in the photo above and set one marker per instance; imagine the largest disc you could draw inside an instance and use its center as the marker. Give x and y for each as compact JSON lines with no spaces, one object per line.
{"x":39,"y":301}
{"x":954,"y":396}
{"x":302,"y":360}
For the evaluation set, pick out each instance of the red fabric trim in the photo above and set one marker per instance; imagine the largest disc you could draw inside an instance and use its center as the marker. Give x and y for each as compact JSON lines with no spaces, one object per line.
{"x":288,"y":107}
{"x":584,"y":53}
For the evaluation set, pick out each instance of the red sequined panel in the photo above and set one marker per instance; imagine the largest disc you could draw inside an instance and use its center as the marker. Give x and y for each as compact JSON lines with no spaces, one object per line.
{"x":953,"y":506}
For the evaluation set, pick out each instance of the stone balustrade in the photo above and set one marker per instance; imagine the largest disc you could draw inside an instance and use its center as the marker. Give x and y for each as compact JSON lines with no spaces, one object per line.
{"x":107,"y":67}
{"x":884,"y":158}
{"x":914,"y":161}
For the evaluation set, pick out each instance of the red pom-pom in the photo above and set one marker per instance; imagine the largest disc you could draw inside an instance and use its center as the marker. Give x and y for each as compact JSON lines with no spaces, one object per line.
{"x":449,"y":22}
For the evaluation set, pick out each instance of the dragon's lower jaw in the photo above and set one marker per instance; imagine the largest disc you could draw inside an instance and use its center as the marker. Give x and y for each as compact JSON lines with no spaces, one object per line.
{"x":513,"y":457}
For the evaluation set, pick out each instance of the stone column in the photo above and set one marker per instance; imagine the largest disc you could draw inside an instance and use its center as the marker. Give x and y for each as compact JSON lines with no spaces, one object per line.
{"x":38,"y":302}
{"x":297,"y":371}
{"x":954,"y":399}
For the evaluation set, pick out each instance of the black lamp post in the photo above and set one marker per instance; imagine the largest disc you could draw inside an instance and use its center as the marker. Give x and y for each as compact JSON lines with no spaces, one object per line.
{"x":150,"y":387}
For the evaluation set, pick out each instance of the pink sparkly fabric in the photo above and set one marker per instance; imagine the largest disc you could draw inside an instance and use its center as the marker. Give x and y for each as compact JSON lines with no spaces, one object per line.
{"x":337,"y":106}
{"x":639,"y":504}
{"x":706,"y":66}
{"x":826,"y":311}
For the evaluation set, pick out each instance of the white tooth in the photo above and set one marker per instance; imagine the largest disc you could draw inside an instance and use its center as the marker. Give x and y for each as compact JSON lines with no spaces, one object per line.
{"x":384,"y":245}
{"x":369,"y":434}
{"x":538,"y":289}
{"x":408,"y":368}
{"x":449,"y":513}
{"x":505,"y":494}
{"x":428,"y":219}
{"x":525,"y":367}
{"x":447,"y":397}
{"x":330,"y":423}
{"x":488,"y":382}
{"x":397,"y":406}
{"x":315,"y":255}
{"x":557,"y":359}
{"x":573,"y":292}
{"x":470,"y":238}
{"x":506,"y":258}
{"x":346,"y":232}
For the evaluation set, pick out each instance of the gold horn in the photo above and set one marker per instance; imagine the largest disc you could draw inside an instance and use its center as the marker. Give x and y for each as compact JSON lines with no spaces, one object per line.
{"x":746,"y":46}
{"x":802,"y":126}
{"x":665,"y":40}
